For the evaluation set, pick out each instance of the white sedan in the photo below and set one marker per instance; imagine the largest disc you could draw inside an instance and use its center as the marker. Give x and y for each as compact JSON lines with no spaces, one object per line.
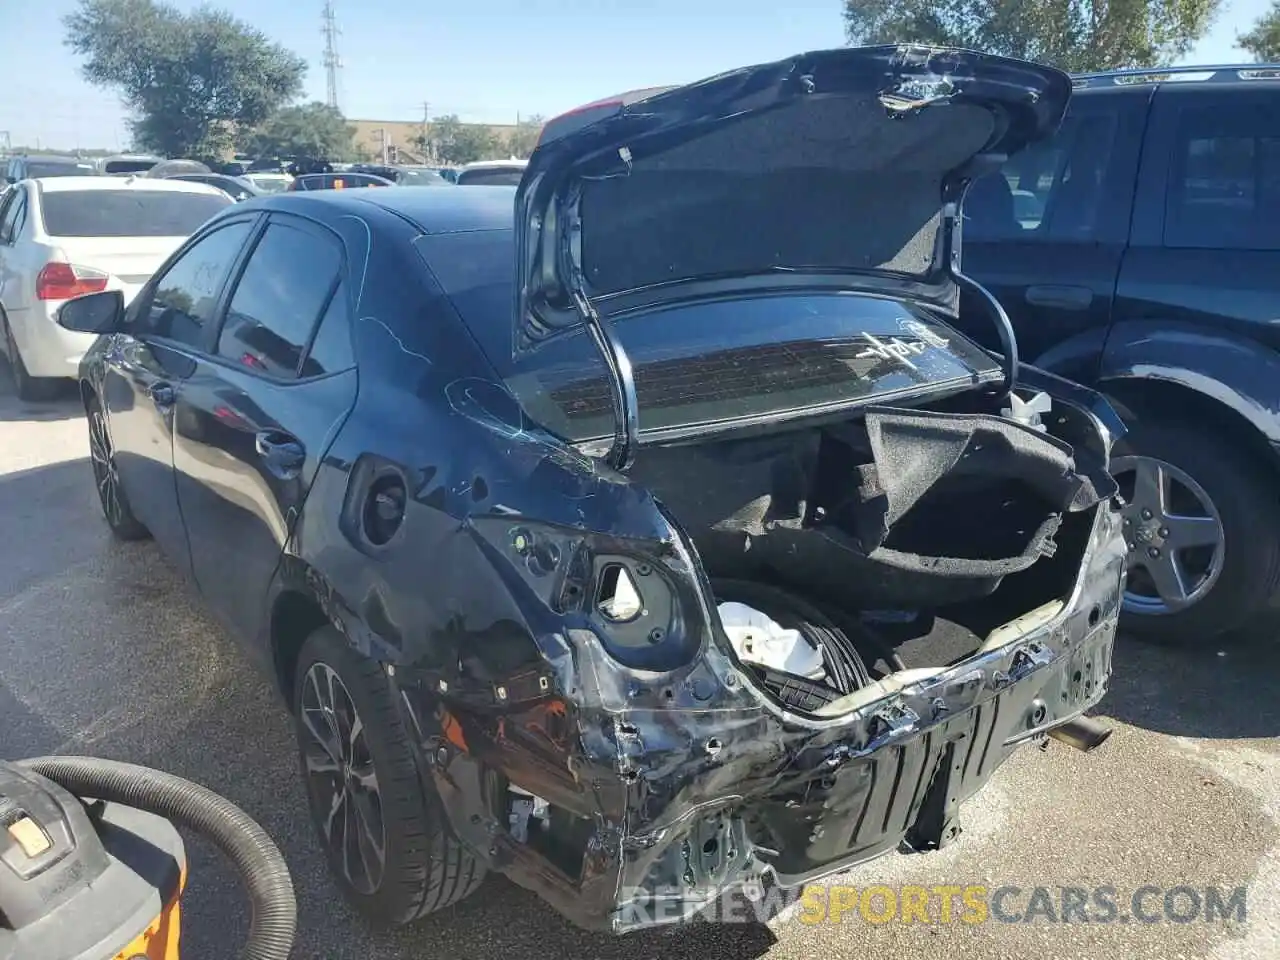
{"x":66,"y":236}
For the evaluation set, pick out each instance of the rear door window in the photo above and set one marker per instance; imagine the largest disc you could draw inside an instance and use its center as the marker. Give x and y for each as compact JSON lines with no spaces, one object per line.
{"x":184,"y":300}
{"x":1224,"y":178}
{"x":286,"y":288}
{"x":14,"y":207}
{"x":1051,"y":191}
{"x":128,"y":212}
{"x":15,"y":218}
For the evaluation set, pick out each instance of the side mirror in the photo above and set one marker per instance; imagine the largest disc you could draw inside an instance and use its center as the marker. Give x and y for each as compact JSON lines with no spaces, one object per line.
{"x":93,"y":313}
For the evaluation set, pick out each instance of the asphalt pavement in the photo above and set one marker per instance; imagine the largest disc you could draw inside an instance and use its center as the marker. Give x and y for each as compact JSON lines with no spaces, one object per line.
{"x":105,"y":651}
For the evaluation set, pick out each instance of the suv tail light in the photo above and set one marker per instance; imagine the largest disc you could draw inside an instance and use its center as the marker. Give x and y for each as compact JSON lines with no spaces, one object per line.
{"x":63,"y":281}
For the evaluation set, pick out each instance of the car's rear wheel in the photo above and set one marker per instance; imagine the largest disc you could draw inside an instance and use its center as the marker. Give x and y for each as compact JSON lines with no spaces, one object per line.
{"x":383,"y":829}
{"x":1202,"y":521}
{"x":106,"y":477}
{"x":28,"y":387}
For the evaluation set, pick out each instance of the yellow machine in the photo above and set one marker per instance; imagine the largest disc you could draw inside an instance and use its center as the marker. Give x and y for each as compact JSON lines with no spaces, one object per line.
{"x":92,"y":866}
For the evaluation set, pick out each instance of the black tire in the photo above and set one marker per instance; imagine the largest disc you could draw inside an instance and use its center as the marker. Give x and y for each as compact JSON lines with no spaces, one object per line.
{"x":106,"y":478}
{"x":29,"y":388}
{"x":424,"y":866}
{"x":1245,"y":498}
{"x":846,"y":667}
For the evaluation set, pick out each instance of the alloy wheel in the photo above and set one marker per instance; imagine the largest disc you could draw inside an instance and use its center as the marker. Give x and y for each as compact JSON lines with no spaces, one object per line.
{"x":105,"y":475}
{"x":341,"y":779}
{"x":1174,"y":533}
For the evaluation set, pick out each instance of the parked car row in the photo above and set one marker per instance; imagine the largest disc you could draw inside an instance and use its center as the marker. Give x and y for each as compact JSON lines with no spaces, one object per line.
{"x":247,"y":178}
{"x":64,"y":236}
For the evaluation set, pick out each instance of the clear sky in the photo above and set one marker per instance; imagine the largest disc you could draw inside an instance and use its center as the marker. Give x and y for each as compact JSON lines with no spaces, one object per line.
{"x":490,"y":61}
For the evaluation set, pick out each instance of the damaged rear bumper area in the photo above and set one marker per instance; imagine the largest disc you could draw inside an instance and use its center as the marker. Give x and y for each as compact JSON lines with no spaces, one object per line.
{"x":630,"y":789}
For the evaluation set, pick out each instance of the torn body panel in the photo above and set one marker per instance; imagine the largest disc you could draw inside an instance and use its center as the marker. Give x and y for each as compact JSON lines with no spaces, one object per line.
{"x":665,"y":769}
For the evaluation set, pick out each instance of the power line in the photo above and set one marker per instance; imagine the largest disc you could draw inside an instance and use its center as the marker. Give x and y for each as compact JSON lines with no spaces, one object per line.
{"x":332,"y":62}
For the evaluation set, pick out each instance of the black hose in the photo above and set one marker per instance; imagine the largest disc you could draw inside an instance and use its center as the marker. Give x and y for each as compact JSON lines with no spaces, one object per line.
{"x":274,"y":913}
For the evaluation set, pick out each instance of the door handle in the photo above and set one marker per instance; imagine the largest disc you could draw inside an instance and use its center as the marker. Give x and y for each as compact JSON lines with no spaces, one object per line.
{"x":282,"y":454}
{"x":162,"y":394}
{"x":1064,"y":298}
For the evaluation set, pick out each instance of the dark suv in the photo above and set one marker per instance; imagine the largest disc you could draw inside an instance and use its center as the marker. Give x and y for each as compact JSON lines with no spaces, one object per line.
{"x":1138,"y":251}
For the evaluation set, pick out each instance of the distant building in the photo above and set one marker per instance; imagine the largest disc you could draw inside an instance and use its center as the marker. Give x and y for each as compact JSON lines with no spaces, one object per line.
{"x":401,"y":136}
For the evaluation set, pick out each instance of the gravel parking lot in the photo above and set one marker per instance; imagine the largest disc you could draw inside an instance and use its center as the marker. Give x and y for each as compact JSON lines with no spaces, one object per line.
{"x":107,"y":652}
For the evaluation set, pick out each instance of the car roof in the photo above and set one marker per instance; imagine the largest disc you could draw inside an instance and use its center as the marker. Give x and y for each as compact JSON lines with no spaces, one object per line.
{"x":495,"y":164}
{"x":430,"y":209}
{"x":1242,"y":73}
{"x":52,"y":158}
{"x":63,"y":184}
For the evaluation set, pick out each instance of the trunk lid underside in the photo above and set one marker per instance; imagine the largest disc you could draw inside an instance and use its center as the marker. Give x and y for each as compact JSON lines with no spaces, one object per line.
{"x":840,"y":170}
{"x":837,"y":164}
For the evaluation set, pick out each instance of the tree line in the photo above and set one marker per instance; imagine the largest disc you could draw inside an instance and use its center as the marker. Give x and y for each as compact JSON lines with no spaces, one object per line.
{"x":1074,"y":35}
{"x":203,"y":83}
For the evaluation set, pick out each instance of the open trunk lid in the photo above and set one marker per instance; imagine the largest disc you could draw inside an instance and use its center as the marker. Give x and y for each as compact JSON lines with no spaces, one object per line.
{"x":833,"y":166}
{"x":837,"y":170}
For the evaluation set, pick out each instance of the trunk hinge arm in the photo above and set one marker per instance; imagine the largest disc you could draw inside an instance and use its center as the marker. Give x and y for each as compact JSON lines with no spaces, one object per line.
{"x":622,"y":383}
{"x":954,"y":231}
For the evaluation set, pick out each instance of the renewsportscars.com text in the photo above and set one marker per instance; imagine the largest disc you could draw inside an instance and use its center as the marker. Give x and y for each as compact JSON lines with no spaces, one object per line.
{"x":968,"y":904}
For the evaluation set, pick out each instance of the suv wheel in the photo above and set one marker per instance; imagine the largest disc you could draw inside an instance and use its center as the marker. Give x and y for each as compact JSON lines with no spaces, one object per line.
{"x":1203,"y":525}
{"x":384,"y":831}
{"x":28,"y":387}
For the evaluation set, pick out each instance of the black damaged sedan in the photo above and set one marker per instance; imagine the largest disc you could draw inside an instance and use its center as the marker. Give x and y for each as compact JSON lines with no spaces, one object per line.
{"x":660,"y":541}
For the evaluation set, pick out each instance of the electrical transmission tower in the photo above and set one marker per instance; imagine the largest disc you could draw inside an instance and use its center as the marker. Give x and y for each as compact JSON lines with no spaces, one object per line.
{"x":332,"y":62}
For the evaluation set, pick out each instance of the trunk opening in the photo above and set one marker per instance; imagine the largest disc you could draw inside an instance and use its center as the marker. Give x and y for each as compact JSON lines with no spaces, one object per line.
{"x":847,"y":560}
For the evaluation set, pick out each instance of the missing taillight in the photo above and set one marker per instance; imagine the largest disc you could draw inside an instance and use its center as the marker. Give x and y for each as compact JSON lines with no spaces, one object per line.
{"x":64,"y":281}
{"x":618,"y":599}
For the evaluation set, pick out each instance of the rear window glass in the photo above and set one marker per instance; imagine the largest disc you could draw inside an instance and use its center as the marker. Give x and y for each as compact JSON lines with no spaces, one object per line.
{"x":421,"y":178}
{"x":269,"y":184}
{"x":497,"y":177}
{"x":338,"y":181}
{"x":128,"y":166}
{"x":128,"y":213}
{"x":703,"y":364}
{"x":72,"y":168}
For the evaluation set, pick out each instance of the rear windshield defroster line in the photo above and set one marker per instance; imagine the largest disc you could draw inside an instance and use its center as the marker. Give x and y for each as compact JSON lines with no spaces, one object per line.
{"x":704,"y":364}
